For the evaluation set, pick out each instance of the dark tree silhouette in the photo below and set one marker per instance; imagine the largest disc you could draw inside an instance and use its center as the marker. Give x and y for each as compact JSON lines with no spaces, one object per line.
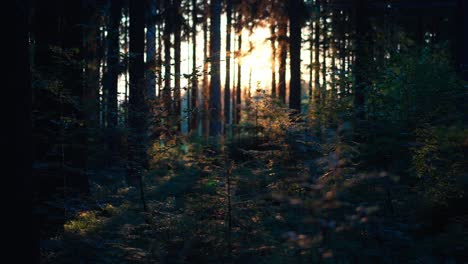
{"x":215,"y":60}
{"x":113,"y":55}
{"x":295,"y":24}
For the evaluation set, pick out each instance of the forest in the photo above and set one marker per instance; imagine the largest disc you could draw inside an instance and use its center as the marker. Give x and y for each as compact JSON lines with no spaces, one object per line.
{"x":236,"y":131}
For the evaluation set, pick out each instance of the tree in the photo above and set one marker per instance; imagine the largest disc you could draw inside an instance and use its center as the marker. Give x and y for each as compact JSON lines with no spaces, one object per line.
{"x":205,"y":83}
{"x":283,"y":53}
{"x":273,"y":58}
{"x":92,"y":84}
{"x":295,"y":25}
{"x":317,"y":88}
{"x":215,"y":60}
{"x":227,"y":84}
{"x":238,"y":103}
{"x":462,"y":38}
{"x":22,"y":233}
{"x":325,"y":52}
{"x":137,"y":105}
{"x":363,"y":56}
{"x":113,"y":55}
{"x":151,"y":13}
{"x":168,"y":21}
{"x":177,"y":27}
{"x":194,"y":81}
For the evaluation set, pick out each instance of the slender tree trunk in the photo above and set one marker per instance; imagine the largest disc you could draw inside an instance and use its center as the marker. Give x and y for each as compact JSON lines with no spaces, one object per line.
{"x":127,"y":62}
{"x":16,"y":140}
{"x":283,"y":52}
{"x":159,"y":60}
{"x":363,"y":56}
{"x":75,"y":146}
{"x":227,"y":84}
{"x":311,"y":58}
{"x":342,"y":52}
{"x":167,"y":97}
{"x":295,"y":53}
{"x":206,"y":87}
{"x":462,"y":38}
{"x":151,"y":49}
{"x":323,"y":92}
{"x":317,"y":88}
{"x":334,"y":55}
{"x":91,"y":93}
{"x":137,"y":105}
{"x":194,"y":91}
{"x":112,"y":76}
{"x":113,"y":54}
{"x":177,"y":59}
{"x":273,"y":56}
{"x":215,"y":60}
{"x":239,"y":69}
{"x":92,"y":84}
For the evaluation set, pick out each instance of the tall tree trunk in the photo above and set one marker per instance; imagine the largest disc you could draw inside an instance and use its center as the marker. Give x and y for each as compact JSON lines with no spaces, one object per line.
{"x":177,"y":59}
{"x":76,"y":147}
{"x":363,"y":56}
{"x":137,"y":105}
{"x":317,"y":88}
{"x":462,"y":38}
{"x":273,"y":56}
{"x":126,"y":29}
{"x":334,"y":56}
{"x":323,"y":92}
{"x":239,"y":69}
{"x":113,"y":54}
{"x":283,"y":52}
{"x":194,"y":91}
{"x":206,"y":88}
{"x":342,"y":52}
{"x":112,"y":77}
{"x":167,"y":97}
{"x":159,"y":61}
{"x":151,"y":49}
{"x":227,"y":84}
{"x":215,"y":82}
{"x":22,"y":232}
{"x":295,"y":53}
{"x":311,"y":64}
{"x":91,"y":91}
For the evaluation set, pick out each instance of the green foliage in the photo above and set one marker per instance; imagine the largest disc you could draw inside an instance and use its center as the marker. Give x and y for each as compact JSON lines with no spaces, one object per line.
{"x":84,"y":223}
{"x":417,"y":87}
{"x":440,"y":162}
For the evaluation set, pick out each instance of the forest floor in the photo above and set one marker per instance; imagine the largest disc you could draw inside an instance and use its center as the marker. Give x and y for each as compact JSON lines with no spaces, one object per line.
{"x":275,"y":215}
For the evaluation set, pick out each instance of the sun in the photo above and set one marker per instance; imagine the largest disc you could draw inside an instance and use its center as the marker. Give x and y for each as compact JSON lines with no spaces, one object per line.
{"x":256,"y":59}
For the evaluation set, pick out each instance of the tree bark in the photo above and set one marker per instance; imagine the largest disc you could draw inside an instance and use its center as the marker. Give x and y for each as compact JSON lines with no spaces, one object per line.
{"x":113,"y":54}
{"x":239,"y":69}
{"x":215,"y":82}
{"x":462,"y":38}
{"x":194,"y":91}
{"x":177,"y":59}
{"x":324,"y":86}
{"x":16,"y":140}
{"x":295,"y":53}
{"x":206,"y":87}
{"x":273,"y":57}
{"x":167,"y":94}
{"x":317,"y":88}
{"x":283,"y":52}
{"x":137,"y":105}
{"x":227,"y":84}
{"x":363,"y":56}
{"x":151,"y":49}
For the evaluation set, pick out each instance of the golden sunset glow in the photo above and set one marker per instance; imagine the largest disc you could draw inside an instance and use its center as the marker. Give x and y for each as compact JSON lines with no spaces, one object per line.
{"x":256,"y":59}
